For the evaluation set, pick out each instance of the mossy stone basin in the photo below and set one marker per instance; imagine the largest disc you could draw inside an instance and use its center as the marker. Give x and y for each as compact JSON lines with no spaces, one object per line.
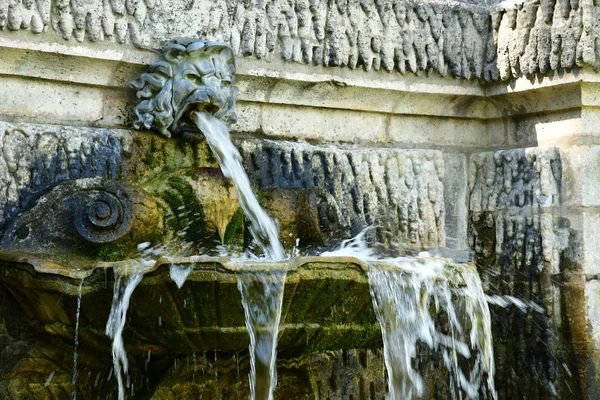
{"x":326,"y":303}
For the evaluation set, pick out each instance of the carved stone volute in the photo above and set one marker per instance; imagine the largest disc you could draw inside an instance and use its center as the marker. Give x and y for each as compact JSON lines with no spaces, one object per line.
{"x":83,"y":214}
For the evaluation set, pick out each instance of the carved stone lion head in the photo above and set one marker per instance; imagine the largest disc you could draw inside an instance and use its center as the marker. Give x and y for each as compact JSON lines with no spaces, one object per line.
{"x":193,"y":75}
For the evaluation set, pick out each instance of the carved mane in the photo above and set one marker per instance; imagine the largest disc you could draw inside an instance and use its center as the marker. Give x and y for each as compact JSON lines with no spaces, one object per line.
{"x":155,"y":87}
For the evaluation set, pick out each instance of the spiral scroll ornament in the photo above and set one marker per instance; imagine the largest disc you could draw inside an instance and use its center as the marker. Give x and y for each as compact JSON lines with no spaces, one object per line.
{"x":77,"y":219}
{"x":104,"y":217}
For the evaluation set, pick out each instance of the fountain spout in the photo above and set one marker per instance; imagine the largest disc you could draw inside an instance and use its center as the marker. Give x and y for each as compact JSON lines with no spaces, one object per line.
{"x":192,"y":75}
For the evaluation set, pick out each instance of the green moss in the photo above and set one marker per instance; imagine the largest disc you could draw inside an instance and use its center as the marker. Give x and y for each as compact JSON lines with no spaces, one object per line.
{"x":193,"y":174}
{"x":209,"y":156}
{"x":235,"y":226}
{"x":188,"y":210}
{"x":114,"y":252}
{"x":150,"y":159}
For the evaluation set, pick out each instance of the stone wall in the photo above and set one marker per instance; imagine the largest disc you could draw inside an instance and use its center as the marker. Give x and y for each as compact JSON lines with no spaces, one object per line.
{"x":462,"y":39}
{"x":33,"y":158}
{"x":400,"y":192}
{"x":405,"y":36}
{"x":521,"y":245}
{"x":543,"y":36}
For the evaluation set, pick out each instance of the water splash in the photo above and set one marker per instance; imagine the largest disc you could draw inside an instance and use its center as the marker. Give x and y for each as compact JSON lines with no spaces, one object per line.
{"x":263,"y":228}
{"x":76,"y":345}
{"x":406,"y":292}
{"x":179,"y":273}
{"x":123,"y":289}
{"x":262,"y":298}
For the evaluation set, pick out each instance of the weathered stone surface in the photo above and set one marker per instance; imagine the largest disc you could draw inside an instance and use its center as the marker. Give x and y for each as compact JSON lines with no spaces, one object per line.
{"x":401,"y":192}
{"x":192,"y":340}
{"x":456,"y":195}
{"x":77,"y":216}
{"x":539,"y":37}
{"x":206,"y":313}
{"x":522,"y":246}
{"x":464,"y":39}
{"x":36,"y":157}
{"x":453,"y":38}
{"x":334,"y":375}
{"x":23,"y":14}
{"x":514,"y":192}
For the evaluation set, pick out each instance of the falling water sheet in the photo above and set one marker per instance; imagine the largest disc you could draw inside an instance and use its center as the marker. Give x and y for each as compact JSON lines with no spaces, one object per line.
{"x":262,"y":293}
{"x":123,"y":289}
{"x":76,"y":340}
{"x":404,"y":291}
{"x":262,"y":227}
{"x":262,"y":298}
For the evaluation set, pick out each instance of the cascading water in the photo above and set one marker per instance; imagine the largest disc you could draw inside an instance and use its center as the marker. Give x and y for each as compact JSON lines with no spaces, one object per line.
{"x":262,"y":294}
{"x":180,"y":273}
{"x":262,"y":297}
{"x":406,"y":292}
{"x":123,"y":289}
{"x":76,"y":345}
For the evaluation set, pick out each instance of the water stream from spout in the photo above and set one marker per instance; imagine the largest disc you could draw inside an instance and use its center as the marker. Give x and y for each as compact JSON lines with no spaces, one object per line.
{"x":262,"y":293}
{"x":123,"y":289}
{"x":424,"y":300}
{"x":263,"y":228}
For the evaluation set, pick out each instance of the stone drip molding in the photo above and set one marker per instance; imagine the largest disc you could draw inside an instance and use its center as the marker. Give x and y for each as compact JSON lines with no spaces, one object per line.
{"x":501,"y":41}
{"x":516,"y":193}
{"x":519,"y":239}
{"x":34,"y":157}
{"x":399,"y":191}
{"x":448,"y":38}
{"x":541,"y":36}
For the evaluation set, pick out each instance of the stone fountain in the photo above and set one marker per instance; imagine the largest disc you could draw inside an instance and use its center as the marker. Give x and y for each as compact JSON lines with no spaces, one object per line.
{"x":461,"y":128}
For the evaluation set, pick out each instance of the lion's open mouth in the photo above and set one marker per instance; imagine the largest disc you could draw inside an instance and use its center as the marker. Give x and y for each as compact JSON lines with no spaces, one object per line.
{"x":208,"y":108}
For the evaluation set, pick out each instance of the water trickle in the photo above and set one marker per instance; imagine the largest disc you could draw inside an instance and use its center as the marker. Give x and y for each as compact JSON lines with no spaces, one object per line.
{"x":49,"y":380}
{"x":76,"y":345}
{"x":123,"y":289}
{"x":262,"y":298}
{"x":407,"y":292}
{"x":263,"y":228}
{"x":179,"y":273}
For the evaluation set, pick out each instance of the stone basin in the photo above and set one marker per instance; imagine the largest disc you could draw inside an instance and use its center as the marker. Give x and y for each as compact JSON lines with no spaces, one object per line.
{"x":174,"y":336}
{"x":326,"y":304}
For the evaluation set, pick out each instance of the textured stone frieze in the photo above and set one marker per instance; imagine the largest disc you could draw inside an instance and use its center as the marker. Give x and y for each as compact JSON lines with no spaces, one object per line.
{"x":399,"y":191}
{"x":540,"y":36}
{"x":407,"y":36}
{"x":462,"y":39}
{"x":35,"y":157}
{"x":25,"y":14}
{"x":516,"y":191}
